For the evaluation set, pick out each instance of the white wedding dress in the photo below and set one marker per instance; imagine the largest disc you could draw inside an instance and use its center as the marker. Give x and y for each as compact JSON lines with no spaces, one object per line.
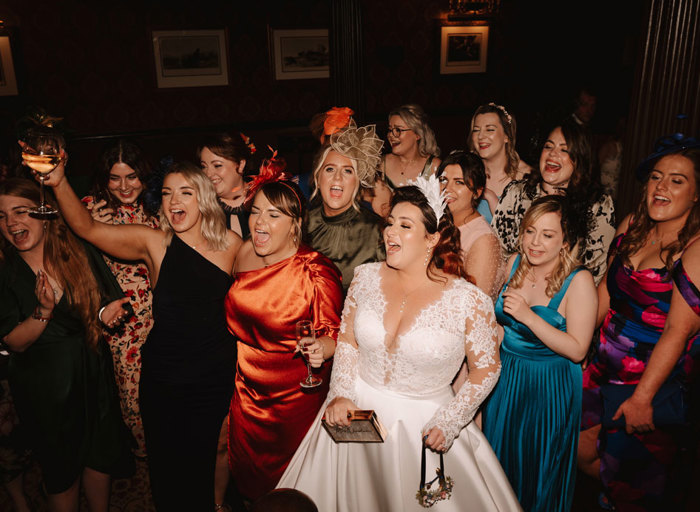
{"x":409,"y":388}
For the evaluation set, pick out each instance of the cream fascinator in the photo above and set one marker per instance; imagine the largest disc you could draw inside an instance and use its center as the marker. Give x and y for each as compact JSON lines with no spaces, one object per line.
{"x":361,"y":145}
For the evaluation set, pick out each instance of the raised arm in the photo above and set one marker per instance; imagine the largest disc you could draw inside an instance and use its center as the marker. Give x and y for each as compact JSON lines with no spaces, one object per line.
{"x":484,"y":368}
{"x":128,"y":242}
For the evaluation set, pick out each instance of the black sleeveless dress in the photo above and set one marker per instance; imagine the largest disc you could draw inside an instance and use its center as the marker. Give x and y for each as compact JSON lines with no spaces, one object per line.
{"x":187,"y":377}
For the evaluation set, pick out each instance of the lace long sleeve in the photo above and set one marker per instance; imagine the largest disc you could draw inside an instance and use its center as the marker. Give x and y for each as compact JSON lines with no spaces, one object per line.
{"x":484,"y":369}
{"x":347,"y":354}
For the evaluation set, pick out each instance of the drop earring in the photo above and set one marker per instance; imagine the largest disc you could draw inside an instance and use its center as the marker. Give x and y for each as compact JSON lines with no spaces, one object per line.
{"x":427,"y":258}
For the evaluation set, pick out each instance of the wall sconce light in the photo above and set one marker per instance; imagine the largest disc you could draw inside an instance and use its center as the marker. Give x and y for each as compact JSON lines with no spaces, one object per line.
{"x":462,"y":10}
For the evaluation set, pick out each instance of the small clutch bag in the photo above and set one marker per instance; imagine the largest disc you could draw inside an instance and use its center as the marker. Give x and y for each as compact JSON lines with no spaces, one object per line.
{"x":364,"y":427}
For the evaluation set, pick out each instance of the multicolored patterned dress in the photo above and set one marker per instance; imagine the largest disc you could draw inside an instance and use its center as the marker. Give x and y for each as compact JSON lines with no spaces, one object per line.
{"x":127,"y":340}
{"x":636,"y":469}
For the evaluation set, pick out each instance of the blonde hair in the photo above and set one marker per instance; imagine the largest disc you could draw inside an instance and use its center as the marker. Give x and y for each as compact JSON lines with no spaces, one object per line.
{"x":318,"y":165}
{"x":214,"y":228}
{"x":568,"y":255}
{"x":417,"y":120}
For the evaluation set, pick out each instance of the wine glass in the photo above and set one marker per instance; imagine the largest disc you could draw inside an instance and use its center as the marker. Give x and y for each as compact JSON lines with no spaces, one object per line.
{"x":41,"y":152}
{"x":305,"y":329}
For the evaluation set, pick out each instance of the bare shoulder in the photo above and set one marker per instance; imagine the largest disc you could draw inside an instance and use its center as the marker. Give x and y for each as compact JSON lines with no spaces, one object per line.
{"x":583,"y":281}
{"x":691,"y":258}
{"x":235,"y":242}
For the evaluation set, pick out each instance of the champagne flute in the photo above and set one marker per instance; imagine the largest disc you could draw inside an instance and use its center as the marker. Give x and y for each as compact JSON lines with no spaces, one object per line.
{"x":41,"y":152}
{"x":305,"y":329}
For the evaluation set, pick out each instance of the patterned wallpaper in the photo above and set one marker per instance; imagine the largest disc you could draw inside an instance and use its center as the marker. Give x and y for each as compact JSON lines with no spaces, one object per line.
{"x":92,"y":62}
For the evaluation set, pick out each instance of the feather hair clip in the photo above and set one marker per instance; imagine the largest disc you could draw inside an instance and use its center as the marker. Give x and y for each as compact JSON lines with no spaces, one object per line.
{"x":430,"y":187}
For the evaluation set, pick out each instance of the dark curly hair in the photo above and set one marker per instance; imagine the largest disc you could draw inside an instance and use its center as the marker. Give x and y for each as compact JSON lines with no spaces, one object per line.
{"x":446,"y":253}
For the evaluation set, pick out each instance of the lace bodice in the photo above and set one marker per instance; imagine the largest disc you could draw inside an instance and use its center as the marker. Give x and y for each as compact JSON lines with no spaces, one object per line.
{"x":427,"y":355}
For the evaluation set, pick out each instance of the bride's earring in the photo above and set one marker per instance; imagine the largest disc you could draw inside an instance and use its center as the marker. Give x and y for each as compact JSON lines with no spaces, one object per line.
{"x":427,"y":257}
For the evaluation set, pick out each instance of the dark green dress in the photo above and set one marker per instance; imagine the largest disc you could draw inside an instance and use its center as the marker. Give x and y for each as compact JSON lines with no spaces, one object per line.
{"x":348,"y":239}
{"x":64,"y":391}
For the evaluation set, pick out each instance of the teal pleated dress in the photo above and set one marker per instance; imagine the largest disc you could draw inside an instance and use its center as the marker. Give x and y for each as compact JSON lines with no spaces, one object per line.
{"x":532,"y":417}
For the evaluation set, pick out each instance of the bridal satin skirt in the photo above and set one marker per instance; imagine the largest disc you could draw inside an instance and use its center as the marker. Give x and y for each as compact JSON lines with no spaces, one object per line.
{"x":384,"y":477}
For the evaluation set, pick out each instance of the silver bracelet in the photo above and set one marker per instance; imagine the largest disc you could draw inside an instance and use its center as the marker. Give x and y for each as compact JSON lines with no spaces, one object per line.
{"x":99,"y":315}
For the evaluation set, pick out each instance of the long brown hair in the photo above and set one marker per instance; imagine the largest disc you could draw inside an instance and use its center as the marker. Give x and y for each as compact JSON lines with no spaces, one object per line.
{"x":65,"y":259}
{"x":642,"y":224}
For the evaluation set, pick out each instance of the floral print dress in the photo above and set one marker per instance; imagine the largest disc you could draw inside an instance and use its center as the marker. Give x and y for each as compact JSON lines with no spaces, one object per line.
{"x":125,"y":342}
{"x":636,"y":469}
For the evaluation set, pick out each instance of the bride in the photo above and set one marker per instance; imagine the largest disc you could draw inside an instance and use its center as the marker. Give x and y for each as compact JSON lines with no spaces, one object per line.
{"x":407,"y":325}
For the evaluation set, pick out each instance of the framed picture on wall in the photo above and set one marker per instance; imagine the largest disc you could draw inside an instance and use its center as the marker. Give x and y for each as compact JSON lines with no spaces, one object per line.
{"x":190,"y":58}
{"x":8,"y":80}
{"x":463,"y":49}
{"x":300,"y":53}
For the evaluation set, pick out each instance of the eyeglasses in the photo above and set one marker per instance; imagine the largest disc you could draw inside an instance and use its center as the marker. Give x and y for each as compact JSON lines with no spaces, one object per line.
{"x":396,"y":132}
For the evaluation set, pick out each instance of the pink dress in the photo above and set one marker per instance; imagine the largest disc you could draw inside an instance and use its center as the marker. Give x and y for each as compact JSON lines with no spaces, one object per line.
{"x":489,"y":282}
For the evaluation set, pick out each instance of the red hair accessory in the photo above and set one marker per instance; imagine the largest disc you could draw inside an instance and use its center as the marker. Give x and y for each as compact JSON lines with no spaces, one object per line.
{"x":326,"y":124}
{"x":249,"y":143}
{"x":271,"y":170}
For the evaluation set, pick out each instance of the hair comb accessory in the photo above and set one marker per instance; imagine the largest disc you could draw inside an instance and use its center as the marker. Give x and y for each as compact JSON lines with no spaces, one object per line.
{"x":271,"y":170}
{"x":502,"y":109}
{"x":361,"y":145}
{"x":249,"y":143}
{"x":431,"y":190}
{"x":666,"y":145}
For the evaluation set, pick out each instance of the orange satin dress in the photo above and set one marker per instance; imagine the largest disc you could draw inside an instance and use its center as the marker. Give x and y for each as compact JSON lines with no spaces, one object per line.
{"x":270,"y":413}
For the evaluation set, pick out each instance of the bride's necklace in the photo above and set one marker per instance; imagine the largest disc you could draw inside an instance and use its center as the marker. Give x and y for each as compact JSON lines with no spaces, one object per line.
{"x":406,"y":294}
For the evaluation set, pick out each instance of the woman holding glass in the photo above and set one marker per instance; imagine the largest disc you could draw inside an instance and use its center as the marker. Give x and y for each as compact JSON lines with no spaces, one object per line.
{"x":278,"y":282}
{"x":189,"y":357}
{"x":117,"y":198}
